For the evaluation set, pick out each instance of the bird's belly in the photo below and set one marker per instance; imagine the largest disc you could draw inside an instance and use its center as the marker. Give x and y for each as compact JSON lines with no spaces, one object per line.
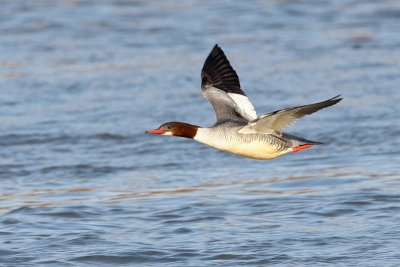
{"x":243,"y":145}
{"x":255,"y":150}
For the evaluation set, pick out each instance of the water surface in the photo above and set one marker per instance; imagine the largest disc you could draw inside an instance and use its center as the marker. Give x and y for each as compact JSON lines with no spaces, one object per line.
{"x":82,"y":185}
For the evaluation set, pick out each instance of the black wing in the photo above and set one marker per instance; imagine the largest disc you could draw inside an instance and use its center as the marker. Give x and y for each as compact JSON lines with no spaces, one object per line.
{"x":220,"y":85}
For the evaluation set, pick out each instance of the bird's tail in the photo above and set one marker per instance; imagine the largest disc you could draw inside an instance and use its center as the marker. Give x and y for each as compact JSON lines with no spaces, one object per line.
{"x":299,"y":143}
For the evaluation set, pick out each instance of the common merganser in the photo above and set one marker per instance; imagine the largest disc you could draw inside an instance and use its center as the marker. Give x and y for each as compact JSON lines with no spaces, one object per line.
{"x":238,"y":130}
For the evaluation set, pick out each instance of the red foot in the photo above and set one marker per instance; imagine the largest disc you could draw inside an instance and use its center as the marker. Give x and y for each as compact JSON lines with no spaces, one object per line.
{"x":298,"y":148}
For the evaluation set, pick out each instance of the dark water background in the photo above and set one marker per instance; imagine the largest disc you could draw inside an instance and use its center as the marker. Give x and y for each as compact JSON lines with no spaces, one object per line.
{"x":82,"y":185}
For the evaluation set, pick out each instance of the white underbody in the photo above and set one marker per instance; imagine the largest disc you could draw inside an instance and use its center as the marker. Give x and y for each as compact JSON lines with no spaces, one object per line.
{"x":231,"y":142}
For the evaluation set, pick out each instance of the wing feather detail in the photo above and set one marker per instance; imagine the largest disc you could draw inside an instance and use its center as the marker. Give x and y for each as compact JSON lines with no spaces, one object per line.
{"x":280,"y":119}
{"x":221,"y":87}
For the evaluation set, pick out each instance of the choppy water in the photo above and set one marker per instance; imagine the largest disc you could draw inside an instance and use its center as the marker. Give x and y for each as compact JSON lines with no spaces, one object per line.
{"x":82,"y":185}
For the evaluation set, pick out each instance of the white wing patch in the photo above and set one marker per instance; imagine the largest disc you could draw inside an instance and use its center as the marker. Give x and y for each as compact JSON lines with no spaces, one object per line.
{"x":246,"y":109}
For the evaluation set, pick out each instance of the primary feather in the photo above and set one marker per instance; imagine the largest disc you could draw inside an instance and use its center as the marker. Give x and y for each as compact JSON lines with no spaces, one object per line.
{"x":280,"y":119}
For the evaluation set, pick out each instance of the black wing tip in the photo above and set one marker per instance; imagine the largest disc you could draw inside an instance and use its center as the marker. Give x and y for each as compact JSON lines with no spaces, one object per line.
{"x":216,"y":49}
{"x":338,"y":97}
{"x":334,"y":100}
{"x":218,"y":72}
{"x":216,"y":54}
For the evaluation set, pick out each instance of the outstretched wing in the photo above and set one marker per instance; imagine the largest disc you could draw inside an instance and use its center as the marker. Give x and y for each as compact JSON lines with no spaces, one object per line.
{"x":221,"y":87}
{"x":280,"y":119}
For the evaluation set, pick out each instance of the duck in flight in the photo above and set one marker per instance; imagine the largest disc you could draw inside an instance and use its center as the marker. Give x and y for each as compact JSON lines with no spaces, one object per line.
{"x":238,"y":129}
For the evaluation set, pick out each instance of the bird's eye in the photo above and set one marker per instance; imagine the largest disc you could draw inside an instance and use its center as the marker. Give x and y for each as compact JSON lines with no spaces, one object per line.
{"x":169,"y":127}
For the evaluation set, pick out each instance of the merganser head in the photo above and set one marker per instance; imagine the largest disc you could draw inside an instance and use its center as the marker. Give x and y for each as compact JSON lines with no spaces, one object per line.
{"x":175,"y":128}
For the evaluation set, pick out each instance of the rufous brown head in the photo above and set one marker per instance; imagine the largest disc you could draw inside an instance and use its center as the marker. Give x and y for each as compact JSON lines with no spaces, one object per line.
{"x":176,"y":128}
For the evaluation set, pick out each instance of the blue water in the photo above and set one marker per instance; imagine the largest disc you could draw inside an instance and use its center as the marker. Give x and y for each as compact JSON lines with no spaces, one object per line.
{"x":82,"y":185}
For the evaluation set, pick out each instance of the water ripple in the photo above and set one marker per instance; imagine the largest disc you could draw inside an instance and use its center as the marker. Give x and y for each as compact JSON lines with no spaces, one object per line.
{"x":82,"y":184}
